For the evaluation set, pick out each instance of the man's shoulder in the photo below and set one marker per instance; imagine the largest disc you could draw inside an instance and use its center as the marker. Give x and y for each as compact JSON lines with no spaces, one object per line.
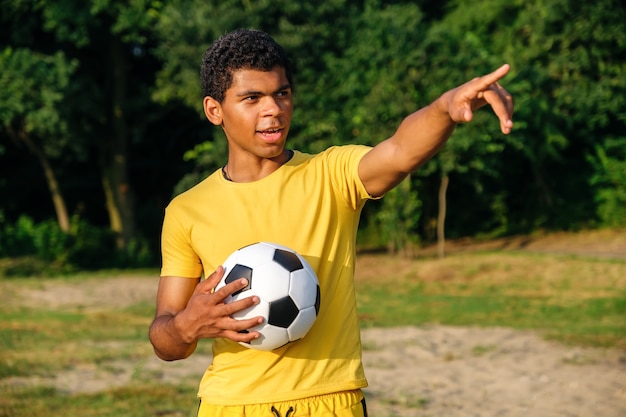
{"x":336,"y":151}
{"x":201,"y":188}
{"x":344,"y":155}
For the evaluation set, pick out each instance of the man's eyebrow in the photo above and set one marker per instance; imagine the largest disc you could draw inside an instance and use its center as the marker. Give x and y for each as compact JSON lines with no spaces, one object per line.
{"x":284,"y":87}
{"x":260,"y":93}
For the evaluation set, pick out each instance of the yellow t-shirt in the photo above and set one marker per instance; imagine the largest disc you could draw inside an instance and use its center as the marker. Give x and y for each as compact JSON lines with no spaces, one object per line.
{"x":311,"y":204}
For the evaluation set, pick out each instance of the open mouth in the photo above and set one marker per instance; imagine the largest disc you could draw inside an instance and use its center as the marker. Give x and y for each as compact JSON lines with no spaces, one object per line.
{"x":271,"y":134}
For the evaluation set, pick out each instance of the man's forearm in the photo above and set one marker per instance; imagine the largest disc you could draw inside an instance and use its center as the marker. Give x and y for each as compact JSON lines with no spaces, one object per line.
{"x":422,"y":134}
{"x":167,"y":342}
{"x":417,"y":139}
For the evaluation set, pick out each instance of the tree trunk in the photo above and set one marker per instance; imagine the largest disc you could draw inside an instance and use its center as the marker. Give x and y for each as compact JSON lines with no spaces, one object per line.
{"x":117,"y":190}
{"x":441,"y":216}
{"x":63,"y":218}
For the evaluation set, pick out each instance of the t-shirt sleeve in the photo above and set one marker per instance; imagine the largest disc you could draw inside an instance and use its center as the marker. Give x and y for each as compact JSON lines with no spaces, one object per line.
{"x":344,"y":161}
{"x":179,"y":257}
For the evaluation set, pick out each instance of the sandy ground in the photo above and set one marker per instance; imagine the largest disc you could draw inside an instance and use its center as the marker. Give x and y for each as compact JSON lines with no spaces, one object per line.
{"x":428,"y":371}
{"x":449,"y":371}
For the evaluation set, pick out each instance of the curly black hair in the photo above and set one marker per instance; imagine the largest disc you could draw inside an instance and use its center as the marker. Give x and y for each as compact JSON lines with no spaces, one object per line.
{"x":236,"y":50}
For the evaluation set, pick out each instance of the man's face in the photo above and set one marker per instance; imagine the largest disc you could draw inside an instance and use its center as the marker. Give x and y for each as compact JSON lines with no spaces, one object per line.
{"x":256,"y":112}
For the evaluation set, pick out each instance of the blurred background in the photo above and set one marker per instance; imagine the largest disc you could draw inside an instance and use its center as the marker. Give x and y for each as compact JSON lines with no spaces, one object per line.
{"x":101,"y":118}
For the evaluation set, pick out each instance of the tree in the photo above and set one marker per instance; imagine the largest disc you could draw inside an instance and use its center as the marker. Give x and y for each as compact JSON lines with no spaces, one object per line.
{"x":33,"y":88}
{"x":107,"y":91}
{"x":104,"y":40}
{"x":568,"y":91}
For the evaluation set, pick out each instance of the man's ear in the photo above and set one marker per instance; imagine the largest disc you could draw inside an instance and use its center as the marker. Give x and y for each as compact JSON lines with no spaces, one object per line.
{"x":213,"y":110}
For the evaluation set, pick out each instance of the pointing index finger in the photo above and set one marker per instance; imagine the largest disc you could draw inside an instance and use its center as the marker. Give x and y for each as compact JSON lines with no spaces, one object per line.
{"x":487,"y":80}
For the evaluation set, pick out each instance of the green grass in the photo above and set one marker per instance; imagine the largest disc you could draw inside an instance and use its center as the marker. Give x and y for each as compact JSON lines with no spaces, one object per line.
{"x":137,"y":401}
{"x":573,"y":300}
{"x":598,"y":322}
{"x":36,"y":342}
{"x":569,"y":299}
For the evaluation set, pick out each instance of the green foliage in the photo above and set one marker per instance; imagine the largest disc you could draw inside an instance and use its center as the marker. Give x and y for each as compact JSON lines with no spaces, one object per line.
{"x":366,"y":79}
{"x":25,"y":237}
{"x":206,"y":156}
{"x":360,"y":67}
{"x":32,"y":88}
{"x":32,"y":248}
{"x":137,"y":254}
{"x":568,"y":97}
{"x":398,"y":218}
{"x":610,"y":181}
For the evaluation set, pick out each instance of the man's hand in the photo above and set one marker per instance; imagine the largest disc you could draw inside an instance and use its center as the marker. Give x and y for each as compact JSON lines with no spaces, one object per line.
{"x":463,"y":100}
{"x":207,"y":316}
{"x":423,"y":133}
{"x":189,"y":310}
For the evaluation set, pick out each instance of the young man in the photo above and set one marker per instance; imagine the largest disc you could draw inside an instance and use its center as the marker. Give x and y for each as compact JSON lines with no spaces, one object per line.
{"x":310,"y":203}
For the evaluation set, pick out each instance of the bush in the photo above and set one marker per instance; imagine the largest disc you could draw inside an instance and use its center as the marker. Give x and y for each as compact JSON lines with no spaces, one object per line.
{"x":91,"y":247}
{"x":16,"y":239}
{"x":31,"y":248}
{"x":609,"y":182}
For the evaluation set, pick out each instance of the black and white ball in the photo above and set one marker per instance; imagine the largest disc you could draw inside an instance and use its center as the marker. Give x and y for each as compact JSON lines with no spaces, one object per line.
{"x":286,"y":285}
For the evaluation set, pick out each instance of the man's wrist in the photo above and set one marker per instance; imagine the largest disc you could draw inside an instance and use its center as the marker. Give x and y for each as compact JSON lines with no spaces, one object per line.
{"x":180,"y":330}
{"x":442,"y":107}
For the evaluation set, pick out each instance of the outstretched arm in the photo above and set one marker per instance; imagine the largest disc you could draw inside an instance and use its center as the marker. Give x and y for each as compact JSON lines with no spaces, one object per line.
{"x":423,"y":133}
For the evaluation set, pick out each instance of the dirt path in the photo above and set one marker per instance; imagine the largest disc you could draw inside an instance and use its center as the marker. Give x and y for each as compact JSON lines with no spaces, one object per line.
{"x":464,"y":372}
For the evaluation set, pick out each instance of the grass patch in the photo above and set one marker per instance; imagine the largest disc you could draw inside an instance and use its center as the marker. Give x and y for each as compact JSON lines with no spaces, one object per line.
{"x":137,"y":401}
{"x":39,"y":342}
{"x":569,"y":299}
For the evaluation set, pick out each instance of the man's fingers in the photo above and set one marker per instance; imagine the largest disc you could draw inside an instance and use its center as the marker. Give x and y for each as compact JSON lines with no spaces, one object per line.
{"x":212,"y":280}
{"x":242,"y":304}
{"x":486,"y":89}
{"x":483,"y":83}
{"x":209,"y":284}
{"x":239,"y":329}
{"x":502,"y":104}
{"x":241,"y":335}
{"x":242,"y":325}
{"x":505,"y":97}
{"x":231,"y":288}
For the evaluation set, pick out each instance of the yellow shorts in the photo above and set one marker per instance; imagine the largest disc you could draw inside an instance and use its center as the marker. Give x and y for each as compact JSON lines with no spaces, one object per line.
{"x":341,"y":404}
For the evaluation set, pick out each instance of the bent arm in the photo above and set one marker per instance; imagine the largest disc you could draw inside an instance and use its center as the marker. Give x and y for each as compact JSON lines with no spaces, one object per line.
{"x":423,"y":133}
{"x":168,"y":338}
{"x":189,"y":310}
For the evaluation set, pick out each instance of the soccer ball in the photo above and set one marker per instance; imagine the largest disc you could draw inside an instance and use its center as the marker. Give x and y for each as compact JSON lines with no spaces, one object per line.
{"x":286,"y":285}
